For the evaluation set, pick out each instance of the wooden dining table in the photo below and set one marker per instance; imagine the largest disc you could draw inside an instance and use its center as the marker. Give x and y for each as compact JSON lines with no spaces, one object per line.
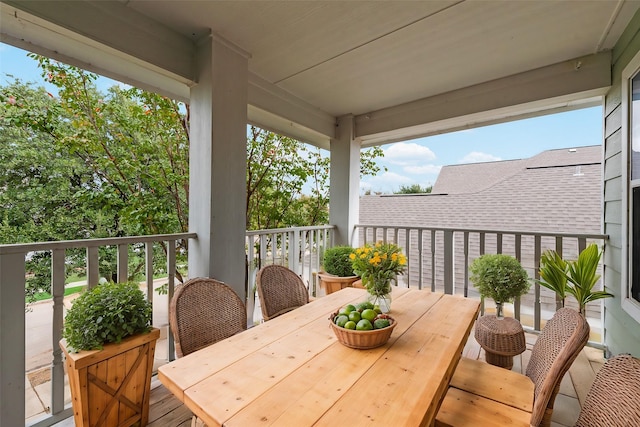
{"x":292,"y":371}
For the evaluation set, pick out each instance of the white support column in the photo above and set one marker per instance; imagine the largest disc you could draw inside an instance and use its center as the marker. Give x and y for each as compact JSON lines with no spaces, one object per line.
{"x":12,"y":339}
{"x":344,"y":201}
{"x":218,"y":163}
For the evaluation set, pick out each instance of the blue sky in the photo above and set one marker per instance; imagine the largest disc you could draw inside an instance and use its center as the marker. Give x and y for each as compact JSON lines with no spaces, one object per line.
{"x":419,"y":161}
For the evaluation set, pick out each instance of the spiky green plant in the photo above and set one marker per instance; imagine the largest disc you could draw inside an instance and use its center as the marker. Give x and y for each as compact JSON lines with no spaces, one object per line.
{"x":576,"y":278}
{"x":582,"y":275}
{"x":553,"y":271}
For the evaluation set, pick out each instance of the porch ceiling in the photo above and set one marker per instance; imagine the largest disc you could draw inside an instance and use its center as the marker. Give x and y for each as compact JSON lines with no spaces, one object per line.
{"x":403,"y":68}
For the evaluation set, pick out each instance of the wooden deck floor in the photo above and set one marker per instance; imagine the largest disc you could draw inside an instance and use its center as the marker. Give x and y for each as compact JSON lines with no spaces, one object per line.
{"x":166,"y":410}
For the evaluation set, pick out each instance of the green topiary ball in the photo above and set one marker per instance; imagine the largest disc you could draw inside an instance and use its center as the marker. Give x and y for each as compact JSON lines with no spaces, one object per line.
{"x":336,"y":261}
{"x":107,"y":313}
{"x":499,"y":277}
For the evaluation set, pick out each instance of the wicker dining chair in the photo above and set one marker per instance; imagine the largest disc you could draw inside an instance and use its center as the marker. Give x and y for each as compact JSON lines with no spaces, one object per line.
{"x":202,"y":312}
{"x":280,"y":290}
{"x":478,"y":389}
{"x":613,"y":398}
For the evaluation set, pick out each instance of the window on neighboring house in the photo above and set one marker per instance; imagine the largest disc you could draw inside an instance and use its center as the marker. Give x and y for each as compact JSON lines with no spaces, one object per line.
{"x":631,"y":170}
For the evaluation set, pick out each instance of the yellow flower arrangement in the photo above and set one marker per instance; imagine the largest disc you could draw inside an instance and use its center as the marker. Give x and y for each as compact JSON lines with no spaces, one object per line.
{"x":377,"y":264}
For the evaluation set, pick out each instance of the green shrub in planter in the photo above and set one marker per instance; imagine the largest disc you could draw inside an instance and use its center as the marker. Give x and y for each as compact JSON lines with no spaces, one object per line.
{"x":107,"y":313}
{"x":499,"y":277}
{"x":337,"y":262}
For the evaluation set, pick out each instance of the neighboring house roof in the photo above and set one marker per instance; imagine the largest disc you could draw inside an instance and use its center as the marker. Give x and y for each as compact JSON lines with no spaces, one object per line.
{"x":454,"y":179}
{"x":555,"y":191}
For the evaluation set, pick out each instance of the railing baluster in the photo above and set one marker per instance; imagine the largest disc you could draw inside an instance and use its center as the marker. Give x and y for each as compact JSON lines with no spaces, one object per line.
{"x":433,"y":260}
{"x":263,"y":251}
{"x":466,"y":263}
{"x":148,"y":271}
{"x":582,"y":244}
{"x":58,"y":276}
{"x":407,"y":241}
{"x":171,"y":278}
{"x":537,"y":303}
{"x":290,"y":248}
{"x":448,"y":262}
{"x":518,"y":255}
{"x":123,"y":263}
{"x":93,"y":267}
{"x":421,"y":257}
{"x":302,"y":251}
{"x":559,"y":250}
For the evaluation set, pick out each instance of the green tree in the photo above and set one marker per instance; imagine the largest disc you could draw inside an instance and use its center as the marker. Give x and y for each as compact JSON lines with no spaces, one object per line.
{"x":87,"y":164}
{"x":38,"y":182}
{"x":279,"y":169}
{"x":413,"y":189}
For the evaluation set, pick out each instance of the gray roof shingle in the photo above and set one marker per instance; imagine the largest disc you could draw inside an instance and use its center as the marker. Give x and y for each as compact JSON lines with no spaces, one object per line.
{"x":543,"y":193}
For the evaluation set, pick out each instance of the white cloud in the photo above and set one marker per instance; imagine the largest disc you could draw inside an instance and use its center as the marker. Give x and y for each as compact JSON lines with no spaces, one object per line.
{"x":423,"y":170}
{"x":408,"y":154}
{"x":408,"y":164}
{"x":478,"y":157}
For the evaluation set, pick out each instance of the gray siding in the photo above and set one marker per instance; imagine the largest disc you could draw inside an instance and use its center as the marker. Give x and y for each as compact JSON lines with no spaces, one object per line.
{"x":622,"y":333}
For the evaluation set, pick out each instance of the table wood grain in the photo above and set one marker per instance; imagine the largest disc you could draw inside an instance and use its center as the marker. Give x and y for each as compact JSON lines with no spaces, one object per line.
{"x":292,"y":371}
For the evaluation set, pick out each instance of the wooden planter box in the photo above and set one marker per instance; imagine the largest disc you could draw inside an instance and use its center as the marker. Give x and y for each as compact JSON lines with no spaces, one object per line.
{"x":331,"y":283}
{"x":110,"y":387}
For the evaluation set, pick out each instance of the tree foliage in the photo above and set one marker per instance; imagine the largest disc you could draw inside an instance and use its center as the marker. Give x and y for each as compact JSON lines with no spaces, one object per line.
{"x":87,"y":164}
{"x":279,"y":170}
{"x":413,"y":189}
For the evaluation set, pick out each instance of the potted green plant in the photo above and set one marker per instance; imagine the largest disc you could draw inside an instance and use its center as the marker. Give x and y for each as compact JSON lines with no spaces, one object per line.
{"x":109,"y":348}
{"x":499,"y":277}
{"x":338,"y":271}
{"x":576,"y":278}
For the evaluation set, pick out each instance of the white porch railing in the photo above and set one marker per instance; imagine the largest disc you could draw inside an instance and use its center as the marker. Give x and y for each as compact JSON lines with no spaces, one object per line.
{"x":299,"y":248}
{"x":13,"y":342}
{"x":438,"y":260}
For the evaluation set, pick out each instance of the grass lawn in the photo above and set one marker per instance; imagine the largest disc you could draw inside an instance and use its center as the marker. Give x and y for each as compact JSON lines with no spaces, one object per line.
{"x":68,"y":291}
{"x":75,"y":289}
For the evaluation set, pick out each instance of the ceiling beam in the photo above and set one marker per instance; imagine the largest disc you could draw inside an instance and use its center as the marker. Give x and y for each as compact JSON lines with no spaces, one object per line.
{"x":63,"y":36}
{"x":275,"y":109}
{"x":567,"y":85}
{"x":70,"y":32}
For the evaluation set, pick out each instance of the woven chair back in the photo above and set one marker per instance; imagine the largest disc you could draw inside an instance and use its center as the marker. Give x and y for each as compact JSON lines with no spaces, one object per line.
{"x":560,"y":342}
{"x":280,"y":290}
{"x":202,"y":312}
{"x":613,"y":398}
